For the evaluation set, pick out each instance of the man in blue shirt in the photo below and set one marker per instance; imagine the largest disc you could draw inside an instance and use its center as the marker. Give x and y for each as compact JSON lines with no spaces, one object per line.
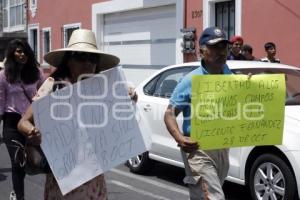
{"x":205,"y":170}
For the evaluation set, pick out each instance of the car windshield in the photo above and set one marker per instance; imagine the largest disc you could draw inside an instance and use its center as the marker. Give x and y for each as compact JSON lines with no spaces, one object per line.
{"x":292,"y":78}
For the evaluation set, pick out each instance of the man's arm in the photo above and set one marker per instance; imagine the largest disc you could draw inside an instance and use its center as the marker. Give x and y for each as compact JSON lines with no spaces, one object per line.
{"x":170,"y":120}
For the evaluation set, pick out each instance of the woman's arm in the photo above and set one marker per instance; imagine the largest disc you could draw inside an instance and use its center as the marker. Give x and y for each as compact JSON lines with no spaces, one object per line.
{"x":25,"y":125}
{"x":27,"y":128}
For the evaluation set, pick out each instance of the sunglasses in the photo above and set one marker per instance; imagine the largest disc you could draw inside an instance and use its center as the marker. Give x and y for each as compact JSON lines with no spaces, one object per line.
{"x":84,"y":57}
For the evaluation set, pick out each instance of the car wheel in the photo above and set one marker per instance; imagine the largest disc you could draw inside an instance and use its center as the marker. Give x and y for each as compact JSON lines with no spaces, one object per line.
{"x":271,"y":178}
{"x":140,"y":164}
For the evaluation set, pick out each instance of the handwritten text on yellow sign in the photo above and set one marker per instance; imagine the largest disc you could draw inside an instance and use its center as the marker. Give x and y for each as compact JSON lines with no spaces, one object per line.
{"x":233,"y":110}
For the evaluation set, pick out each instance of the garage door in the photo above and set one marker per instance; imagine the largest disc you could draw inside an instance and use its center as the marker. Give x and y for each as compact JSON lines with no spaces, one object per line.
{"x":143,"y":38}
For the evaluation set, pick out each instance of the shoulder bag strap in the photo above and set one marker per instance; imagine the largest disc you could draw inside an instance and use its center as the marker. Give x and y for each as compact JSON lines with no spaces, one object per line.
{"x":26,"y":94}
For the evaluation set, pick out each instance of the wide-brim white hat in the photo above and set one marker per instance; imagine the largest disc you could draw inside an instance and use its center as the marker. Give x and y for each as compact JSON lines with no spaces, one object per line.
{"x":83,"y":40}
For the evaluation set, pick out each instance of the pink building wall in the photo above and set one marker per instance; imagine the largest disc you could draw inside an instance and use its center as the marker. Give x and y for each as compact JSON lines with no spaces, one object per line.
{"x":273,"y":20}
{"x":262,"y":21}
{"x":56,"y":13}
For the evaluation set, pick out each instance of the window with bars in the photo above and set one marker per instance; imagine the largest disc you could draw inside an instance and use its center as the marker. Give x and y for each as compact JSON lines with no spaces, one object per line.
{"x":5,"y":13}
{"x":225,"y":16}
{"x":46,"y":41}
{"x":33,"y":40}
{"x":67,"y":34}
{"x":13,"y":13}
{"x":33,"y":7}
{"x":33,"y":3}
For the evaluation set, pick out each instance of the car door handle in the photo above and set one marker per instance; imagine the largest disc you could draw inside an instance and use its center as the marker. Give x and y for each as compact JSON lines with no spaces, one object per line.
{"x":147,"y":108}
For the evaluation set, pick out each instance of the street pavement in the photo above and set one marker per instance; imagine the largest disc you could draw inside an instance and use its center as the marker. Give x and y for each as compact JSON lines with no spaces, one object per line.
{"x":164,"y":182}
{"x":122,"y":184}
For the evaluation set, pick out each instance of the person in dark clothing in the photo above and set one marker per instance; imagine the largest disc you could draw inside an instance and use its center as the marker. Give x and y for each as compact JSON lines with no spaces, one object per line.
{"x":247,"y":52}
{"x":19,"y":81}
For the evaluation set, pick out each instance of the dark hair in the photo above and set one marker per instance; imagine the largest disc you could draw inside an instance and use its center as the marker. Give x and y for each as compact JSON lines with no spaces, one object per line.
{"x":247,"y":48}
{"x":30,"y":72}
{"x":270,"y":45}
{"x":62,"y":71}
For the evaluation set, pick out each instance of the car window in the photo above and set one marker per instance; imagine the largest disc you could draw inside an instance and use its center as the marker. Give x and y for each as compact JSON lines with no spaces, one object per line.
{"x":164,"y":84}
{"x":150,"y":86}
{"x":292,"y":78}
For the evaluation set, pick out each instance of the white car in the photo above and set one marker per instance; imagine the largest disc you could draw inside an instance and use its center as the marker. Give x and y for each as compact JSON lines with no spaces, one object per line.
{"x":270,"y":172}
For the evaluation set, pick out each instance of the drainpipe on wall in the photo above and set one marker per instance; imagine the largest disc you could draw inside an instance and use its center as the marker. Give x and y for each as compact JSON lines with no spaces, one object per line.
{"x":26,"y":17}
{"x":185,"y":13}
{"x":1,"y":18}
{"x":184,"y":26}
{"x":62,"y":37}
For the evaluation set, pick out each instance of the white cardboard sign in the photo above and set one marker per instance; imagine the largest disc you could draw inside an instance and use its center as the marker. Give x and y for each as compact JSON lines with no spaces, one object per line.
{"x":89,"y":127}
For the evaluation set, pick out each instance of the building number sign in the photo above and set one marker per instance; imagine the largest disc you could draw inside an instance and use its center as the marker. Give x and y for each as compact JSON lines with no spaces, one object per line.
{"x":196,"y":14}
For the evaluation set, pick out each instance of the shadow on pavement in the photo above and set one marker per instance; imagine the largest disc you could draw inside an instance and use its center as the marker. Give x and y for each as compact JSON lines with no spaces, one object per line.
{"x":3,"y":177}
{"x":235,"y":192}
{"x":168,"y":173}
{"x":176,"y":174}
{"x":5,"y":170}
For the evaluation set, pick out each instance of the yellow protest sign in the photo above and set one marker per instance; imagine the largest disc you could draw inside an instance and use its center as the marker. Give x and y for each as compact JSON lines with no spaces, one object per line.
{"x":232,"y":110}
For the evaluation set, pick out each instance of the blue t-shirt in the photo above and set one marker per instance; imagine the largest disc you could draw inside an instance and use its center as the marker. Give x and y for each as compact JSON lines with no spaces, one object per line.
{"x":181,"y":96}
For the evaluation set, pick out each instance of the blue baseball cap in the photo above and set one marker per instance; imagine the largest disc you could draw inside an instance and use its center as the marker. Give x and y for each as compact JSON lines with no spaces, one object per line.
{"x":212,"y":35}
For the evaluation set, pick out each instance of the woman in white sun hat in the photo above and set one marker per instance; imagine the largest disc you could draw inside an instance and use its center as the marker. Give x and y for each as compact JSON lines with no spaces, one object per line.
{"x":80,"y":57}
